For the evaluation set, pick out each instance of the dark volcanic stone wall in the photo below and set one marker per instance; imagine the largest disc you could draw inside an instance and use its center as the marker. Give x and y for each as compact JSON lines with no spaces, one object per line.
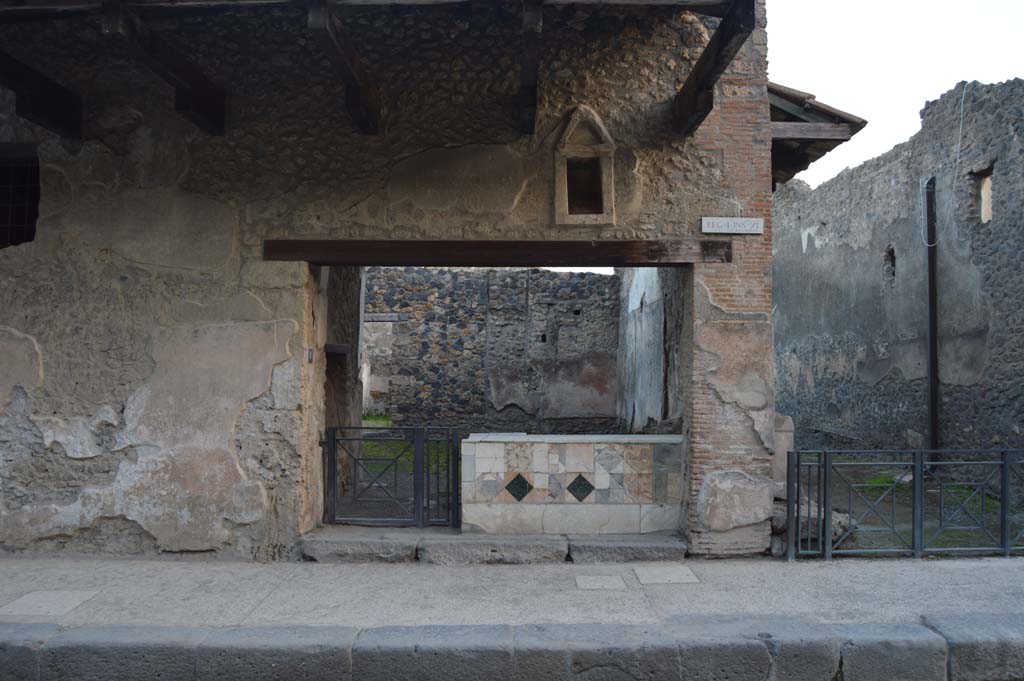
{"x":850,"y":326}
{"x":494,"y":350}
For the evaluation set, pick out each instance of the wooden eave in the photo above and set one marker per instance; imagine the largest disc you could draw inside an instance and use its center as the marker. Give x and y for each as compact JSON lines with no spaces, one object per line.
{"x":804,"y":130}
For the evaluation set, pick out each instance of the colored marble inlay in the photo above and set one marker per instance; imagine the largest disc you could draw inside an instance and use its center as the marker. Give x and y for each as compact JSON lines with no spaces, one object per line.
{"x":580,"y":488}
{"x":519,"y":487}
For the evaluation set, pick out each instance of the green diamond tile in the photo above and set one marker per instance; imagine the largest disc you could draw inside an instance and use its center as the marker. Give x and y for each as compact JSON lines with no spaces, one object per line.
{"x":580,"y":488}
{"x":519,"y":487}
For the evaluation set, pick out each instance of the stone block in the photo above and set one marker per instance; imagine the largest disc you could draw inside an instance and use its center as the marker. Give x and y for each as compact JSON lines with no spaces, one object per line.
{"x":730,"y":499}
{"x":982,"y":647}
{"x":276,"y":654}
{"x":487,"y":549}
{"x":591,"y":518}
{"x":660,"y":518}
{"x":428,"y":653}
{"x":335,"y":547}
{"x":504,"y":518}
{"x":801,"y":649}
{"x":624,"y":548}
{"x":891,"y":652}
{"x":122,"y":652}
{"x":19,"y":649}
{"x":724,"y":659}
{"x":594,"y":651}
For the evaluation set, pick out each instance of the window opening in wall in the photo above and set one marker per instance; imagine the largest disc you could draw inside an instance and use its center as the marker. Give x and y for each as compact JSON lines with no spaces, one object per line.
{"x":583,"y":181}
{"x":19,"y":193}
{"x":984,"y":198}
{"x":889,"y":266}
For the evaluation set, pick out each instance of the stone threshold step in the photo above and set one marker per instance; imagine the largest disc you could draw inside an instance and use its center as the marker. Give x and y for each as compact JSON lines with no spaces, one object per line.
{"x":371,"y":545}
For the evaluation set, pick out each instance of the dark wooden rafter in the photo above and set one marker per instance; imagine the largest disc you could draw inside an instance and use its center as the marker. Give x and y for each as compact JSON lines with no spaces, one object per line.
{"x":195,"y":95}
{"x":696,"y":100}
{"x":362,"y":96}
{"x":41,"y":100}
{"x":414,"y":253}
{"x":533,"y":32}
{"x":709,"y":7}
{"x":783,"y":130}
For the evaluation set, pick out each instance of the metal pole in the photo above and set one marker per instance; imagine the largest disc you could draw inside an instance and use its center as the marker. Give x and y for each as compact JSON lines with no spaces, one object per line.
{"x":456,"y":468}
{"x":791,"y":503}
{"x":918,"y":505}
{"x":331,"y":477}
{"x":825,"y":508}
{"x":933,"y":317}
{"x":1004,"y":503}
{"x":419,"y":479}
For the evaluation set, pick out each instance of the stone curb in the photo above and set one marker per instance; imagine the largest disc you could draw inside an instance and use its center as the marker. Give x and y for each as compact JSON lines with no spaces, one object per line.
{"x":980,"y":648}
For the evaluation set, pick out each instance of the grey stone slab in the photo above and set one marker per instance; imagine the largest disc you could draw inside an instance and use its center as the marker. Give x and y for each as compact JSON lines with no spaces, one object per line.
{"x":276,"y":654}
{"x":596,"y":652}
{"x":891,"y":652}
{"x":360,"y":549}
{"x":115,"y":653}
{"x":478,"y":549}
{"x":982,"y":647}
{"x":723,"y":659}
{"x":801,"y":649}
{"x":665,"y":574}
{"x":625,"y":548}
{"x":428,"y":653}
{"x":49,"y":603}
{"x":19,"y":649}
{"x":600,"y":583}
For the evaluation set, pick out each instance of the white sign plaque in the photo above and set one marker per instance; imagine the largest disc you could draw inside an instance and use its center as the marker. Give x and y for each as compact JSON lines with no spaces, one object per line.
{"x":732,"y":225}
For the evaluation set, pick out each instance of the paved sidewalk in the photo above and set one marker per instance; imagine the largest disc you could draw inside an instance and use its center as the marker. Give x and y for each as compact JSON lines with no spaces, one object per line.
{"x":219,"y":594}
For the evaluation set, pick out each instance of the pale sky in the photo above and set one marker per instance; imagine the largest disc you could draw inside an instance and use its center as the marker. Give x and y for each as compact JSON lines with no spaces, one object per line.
{"x":883,"y":59}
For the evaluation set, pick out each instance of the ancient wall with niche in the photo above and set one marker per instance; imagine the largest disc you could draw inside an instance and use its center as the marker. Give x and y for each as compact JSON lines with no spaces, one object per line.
{"x":851,"y":287}
{"x":158,"y":364}
{"x":493,"y":350}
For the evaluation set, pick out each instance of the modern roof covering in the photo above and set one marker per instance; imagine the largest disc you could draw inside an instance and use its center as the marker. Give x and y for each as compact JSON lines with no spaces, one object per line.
{"x":804,"y":130}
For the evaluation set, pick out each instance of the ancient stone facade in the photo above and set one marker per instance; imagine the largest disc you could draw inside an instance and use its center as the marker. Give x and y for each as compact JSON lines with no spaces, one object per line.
{"x":851,"y":287}
{"x":493,"y":350}
{"x":163,"y":383}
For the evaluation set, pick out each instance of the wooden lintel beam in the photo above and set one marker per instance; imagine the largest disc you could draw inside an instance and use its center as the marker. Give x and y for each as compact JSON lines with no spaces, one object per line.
{"x":529,"y":76}
{"x":41,"y":100}
{"x":195,"y":95}
{"x":362,"y":97}
{"x":811,"y":131}
{"x":696,"y":100}
{"x":14,"y":7}
{"x":499,"y":253}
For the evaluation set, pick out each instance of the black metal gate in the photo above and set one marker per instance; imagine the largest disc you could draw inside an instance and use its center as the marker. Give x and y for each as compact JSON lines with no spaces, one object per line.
{"x":391,"y":476}
{"x":905,"y":502}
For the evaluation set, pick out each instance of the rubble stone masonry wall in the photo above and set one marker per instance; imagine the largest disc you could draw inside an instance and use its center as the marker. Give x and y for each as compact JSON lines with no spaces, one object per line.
{"x":851,"y":287}
{"x":494,"y":350}
{"x":156,"y":389}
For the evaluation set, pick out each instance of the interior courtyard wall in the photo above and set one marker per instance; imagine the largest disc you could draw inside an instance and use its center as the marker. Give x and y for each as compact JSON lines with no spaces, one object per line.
{"x":851,"y":287}
{"x":494,"y":350}
{"x":161,"y":386}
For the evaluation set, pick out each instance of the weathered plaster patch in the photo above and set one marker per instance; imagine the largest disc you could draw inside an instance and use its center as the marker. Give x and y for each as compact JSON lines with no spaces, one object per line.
{"x":21,"y":364}
{"x":156,"y":227}
{"x":475,"y":178}
{"x":76,"y":435}
{"x":243,"y":306}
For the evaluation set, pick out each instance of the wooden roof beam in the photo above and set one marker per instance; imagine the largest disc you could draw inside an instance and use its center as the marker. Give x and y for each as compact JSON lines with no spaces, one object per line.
{"x":696,"y":100}
{"x":709,"y":7}
{"x":416,"y":253}
{"x":362,"y":96}
{"x":811,"y":131}
{"x":529,"y":75}
{"x":195,"y":95}
{"x":45,"y":102}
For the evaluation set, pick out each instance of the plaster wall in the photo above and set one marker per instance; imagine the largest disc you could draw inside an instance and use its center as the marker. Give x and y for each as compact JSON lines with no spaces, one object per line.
{"x":851,"y":287}
{"x":159,"y":387}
